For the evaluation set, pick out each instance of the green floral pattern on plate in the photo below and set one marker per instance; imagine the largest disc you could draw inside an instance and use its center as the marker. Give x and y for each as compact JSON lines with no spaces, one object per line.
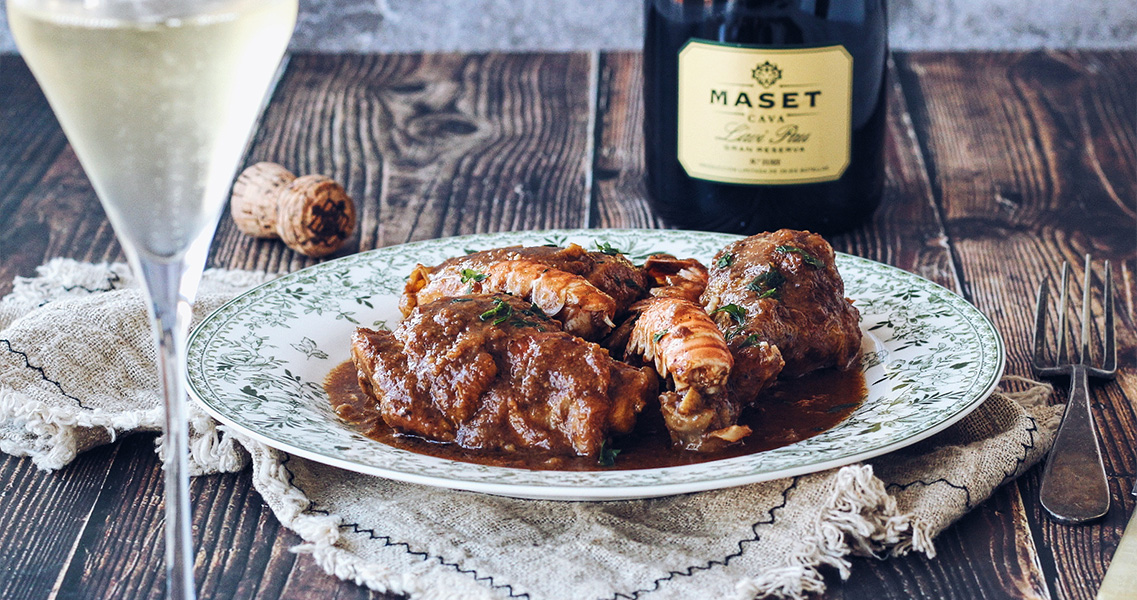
{"x":258,"y":364}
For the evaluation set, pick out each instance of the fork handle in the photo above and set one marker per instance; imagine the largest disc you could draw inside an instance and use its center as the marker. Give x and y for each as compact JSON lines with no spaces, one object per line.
{"x":1074,"y":487}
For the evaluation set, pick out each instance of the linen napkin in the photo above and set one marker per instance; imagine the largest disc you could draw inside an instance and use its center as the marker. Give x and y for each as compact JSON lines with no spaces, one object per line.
{"x":77,"y":370}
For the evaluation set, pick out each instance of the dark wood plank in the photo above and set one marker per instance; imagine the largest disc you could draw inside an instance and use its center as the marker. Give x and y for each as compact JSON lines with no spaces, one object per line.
{"x":430,"y":145}
{"x":30,"y":138}
{"x":1032,"y":163}
{"x":967,"y":572}
{"x":619,"y":190}
{"x":308,"y":580}
{"x":238,"y":541}
{"x":42,"y":516}
{"x":31,"y":146}
{"x":241,"y":550}
{"x":122,"y":545}
{"x":501,"y":144}
{"x":907,"y":231}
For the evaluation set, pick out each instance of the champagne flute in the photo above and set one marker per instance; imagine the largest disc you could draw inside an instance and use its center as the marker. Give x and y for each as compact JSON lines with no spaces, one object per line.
{"x":158,"y":97}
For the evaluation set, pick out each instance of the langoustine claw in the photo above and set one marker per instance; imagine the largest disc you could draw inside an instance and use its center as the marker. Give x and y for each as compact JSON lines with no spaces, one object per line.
{"x":676,"y":278}
{"x":688,"y":350}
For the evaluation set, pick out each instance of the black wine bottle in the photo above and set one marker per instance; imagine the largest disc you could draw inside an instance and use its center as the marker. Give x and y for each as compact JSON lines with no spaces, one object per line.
{"x":764,"y":114}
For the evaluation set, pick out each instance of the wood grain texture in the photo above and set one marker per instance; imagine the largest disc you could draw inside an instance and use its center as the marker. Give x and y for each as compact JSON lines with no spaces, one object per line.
{"x":430,"y":145}
{"x":619,"y":190}
{"x":1026,"y":169}
{"x":989,"y":553}
{"x":122,"y":545}
{"x":240,"y":545}
{"x":42,"y":516}
{"x":48,"y":205}
{"x":961,"y":568}
{"x":30,"y":137}
{"x":31,"y":143}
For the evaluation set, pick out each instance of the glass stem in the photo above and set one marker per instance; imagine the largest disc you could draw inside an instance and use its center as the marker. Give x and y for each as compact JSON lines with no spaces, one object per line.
{"x":171,"y":311}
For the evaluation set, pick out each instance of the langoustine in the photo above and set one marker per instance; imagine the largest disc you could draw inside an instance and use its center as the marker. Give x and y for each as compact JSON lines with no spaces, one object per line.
{"x":677,"y":336}
{"x":607,"y":269}
{"x":676,"y":277}
{"x":579,"y":305}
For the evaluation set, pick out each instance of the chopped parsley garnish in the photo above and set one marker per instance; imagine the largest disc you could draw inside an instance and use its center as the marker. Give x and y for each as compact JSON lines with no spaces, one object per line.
{"x":751,"y":340}
{"x":500,"y":313}
{"x":659,"y":336}
{"x":725,"y":261}
{"x":533,"y":311}
{"x":806,"y":257}
{"x":503,"y":312}
{"x":607,"y":456}
{"x":735,"y":311}
{"x":527,"y":323}
{"x":767,"y":284}
{"x":737,"y":314}
{"x":469,"y":275}
{"x":607,"y":248}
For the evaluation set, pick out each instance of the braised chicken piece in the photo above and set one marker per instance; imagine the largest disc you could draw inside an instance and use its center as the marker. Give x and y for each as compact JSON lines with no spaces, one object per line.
{"x":777,"y":294}
{"x":492,"y":372}
{"x":584,"y":290}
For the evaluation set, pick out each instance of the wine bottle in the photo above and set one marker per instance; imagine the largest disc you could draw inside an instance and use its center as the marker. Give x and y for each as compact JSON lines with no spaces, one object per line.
{"x":764,"y":114}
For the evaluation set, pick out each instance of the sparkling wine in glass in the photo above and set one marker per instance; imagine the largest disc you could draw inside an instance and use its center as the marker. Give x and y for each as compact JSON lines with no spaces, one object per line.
{"x":158,"y":97}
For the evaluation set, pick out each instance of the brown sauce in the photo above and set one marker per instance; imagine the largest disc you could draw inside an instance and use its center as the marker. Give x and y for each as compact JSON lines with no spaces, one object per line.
{"x":793,"y":410}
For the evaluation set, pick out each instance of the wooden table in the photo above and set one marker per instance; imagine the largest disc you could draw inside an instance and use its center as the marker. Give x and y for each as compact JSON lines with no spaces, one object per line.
{"x":1000,"y":166}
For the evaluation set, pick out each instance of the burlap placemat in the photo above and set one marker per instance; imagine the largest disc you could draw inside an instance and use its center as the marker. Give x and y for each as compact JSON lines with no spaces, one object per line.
{"x":76,"y":370}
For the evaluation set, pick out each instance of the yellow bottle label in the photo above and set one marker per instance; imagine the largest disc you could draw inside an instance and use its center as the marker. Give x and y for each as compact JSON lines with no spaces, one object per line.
{"x":764,"y":116}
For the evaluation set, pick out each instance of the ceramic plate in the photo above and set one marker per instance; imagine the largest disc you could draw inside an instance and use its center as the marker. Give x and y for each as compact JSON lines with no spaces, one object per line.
{"x":259,"y":362}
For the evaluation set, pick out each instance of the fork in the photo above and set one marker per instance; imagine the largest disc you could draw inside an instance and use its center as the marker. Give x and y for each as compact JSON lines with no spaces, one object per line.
{"x":1074,"y":487}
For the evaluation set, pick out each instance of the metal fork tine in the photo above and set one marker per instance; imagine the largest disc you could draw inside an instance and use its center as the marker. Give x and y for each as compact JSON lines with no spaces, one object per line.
{"x":1109,"y":346}
{"x":1039,"y":355}
{"x":1062,"y":306}
{"x":1074,"y":487}
{"x":1087,"y":281}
